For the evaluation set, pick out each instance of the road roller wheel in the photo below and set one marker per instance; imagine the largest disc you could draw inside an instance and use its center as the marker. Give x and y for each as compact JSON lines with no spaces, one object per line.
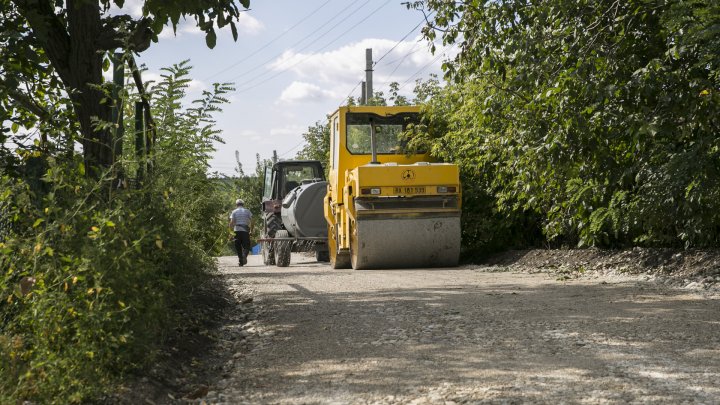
{"x":354,"y":250}
{"x":337,"y":260}
{"x":282,"y":249}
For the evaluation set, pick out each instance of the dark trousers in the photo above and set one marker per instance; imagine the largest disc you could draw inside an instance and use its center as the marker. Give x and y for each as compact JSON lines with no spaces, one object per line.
{"x":242,"y":244}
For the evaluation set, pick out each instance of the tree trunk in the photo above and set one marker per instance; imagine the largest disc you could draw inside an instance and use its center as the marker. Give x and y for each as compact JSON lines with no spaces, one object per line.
{"x":73,"y":49}
{"x":86,"y":76}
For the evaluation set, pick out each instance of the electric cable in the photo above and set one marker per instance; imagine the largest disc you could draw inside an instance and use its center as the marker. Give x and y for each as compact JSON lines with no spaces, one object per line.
{"x":292,"y":149}
{"x":309,"y":56}
{"x":412,"y":51}
{"x":399,"y":42}
{"x":351,"y":92}
{"x":267,"y":61}
{"x":422,"y":69}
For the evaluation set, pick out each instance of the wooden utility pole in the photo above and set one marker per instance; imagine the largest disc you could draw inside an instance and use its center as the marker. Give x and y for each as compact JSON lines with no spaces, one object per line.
{"x":368,"y":76}
{"x":363,"y":96}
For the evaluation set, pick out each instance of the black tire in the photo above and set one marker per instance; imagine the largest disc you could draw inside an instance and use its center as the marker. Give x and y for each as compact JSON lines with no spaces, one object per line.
{"x":282,"y":249}
{"x":267,"y":253}
{"x":322,"y":255}
{"x":273,"y":223}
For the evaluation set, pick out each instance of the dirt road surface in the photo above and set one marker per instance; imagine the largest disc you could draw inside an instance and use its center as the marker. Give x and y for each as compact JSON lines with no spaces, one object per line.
{"x":469,"y":335}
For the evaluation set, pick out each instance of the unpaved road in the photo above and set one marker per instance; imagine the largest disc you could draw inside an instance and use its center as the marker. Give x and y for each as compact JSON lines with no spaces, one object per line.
{"x":466,"y":335}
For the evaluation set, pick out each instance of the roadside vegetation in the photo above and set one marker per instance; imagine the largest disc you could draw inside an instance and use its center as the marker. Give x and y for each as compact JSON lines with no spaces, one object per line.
{"x":93,"y":272}
{"x":580,"y":123}
{"x":103,"y":236}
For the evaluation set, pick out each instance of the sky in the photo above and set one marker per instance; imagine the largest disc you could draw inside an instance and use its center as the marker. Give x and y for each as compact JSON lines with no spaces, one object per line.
{"x":294,"y":62}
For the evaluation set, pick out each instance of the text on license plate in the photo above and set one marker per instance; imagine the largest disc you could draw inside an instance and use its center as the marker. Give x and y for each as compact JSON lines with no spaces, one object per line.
{"x":409,"y":190}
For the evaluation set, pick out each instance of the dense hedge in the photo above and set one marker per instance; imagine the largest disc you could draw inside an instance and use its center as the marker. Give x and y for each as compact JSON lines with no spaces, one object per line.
{"x":582,"y":122}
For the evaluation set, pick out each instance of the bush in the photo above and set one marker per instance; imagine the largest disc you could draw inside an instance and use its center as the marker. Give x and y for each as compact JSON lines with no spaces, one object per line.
{"x":92,"y":276}
{"x":89,"y":284}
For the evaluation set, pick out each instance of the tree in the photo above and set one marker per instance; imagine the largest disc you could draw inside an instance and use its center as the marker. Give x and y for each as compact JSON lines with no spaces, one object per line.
{"x":69,"y":40}
{"x":317,"y":143}
{"x":599,"y":117}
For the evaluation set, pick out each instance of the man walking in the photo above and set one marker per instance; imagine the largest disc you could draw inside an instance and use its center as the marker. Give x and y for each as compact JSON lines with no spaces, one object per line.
{"x":241,"y":222}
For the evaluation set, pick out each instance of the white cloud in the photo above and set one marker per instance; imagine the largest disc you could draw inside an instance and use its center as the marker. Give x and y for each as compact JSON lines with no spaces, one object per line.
{"x":130,"y":7}
{"x":148,"y":76}
{"x":249,"y":25}
{"x":301,"y":92}
{"x":347,"y":64}
{"x":197,"y":86}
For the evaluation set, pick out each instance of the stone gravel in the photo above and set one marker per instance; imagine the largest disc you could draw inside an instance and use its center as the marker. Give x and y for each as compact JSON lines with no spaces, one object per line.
{"x":307,"y":334}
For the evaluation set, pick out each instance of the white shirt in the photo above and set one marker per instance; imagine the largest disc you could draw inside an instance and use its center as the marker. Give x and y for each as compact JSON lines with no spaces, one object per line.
{"x":242,"y":217}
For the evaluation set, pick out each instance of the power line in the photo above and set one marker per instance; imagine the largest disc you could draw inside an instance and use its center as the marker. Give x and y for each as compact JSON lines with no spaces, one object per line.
{"x":412,"y":51}
{"x":422,"y":69}
{"x":309,"y":56}
{"x":351,"y":92}
{"x":282,"y":34}
{"x":387,"y":53}
{"x":292,"y":149}
{"x":399,"y":42}
{"x":402,"y":58}
{"x":267,"y":61}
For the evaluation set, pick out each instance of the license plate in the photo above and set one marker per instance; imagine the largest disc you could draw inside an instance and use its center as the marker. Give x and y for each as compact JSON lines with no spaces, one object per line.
{"x":408,"y":190}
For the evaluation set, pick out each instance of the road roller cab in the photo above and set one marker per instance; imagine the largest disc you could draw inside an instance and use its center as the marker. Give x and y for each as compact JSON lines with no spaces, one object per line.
{"x":384,"y":208}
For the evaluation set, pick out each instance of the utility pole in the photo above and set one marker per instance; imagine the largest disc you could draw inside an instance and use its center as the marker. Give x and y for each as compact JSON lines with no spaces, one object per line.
{"x":363,"y":96}
{"x":368,"y":76}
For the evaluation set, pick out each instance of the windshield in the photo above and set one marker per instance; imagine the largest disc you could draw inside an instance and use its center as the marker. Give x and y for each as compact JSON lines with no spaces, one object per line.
{"x":387,"y":132}
{"x":267,"y":189}
{"x":297,"y":175}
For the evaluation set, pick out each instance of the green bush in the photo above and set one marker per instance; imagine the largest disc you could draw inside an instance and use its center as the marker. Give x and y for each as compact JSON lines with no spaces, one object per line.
{"x":592,"y":122}
{"x":92,"y":275}
{"x":88,"y":284}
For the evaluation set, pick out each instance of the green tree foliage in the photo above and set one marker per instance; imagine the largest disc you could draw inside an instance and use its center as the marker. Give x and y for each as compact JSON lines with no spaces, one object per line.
{"x":57,"y":50}
{"x":594,"y":122}
{"x":91,"y":283}
{"x":317,"y":143}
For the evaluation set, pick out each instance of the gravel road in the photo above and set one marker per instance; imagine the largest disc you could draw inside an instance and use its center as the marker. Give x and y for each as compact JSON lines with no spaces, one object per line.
{"x":466,"y":335}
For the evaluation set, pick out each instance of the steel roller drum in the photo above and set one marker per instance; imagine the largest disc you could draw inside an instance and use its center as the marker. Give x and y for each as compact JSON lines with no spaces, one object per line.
{"x":388,"y":243}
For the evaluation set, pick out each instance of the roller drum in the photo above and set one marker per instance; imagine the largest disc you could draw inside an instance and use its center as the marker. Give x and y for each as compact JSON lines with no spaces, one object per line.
{"x":386,"y":243}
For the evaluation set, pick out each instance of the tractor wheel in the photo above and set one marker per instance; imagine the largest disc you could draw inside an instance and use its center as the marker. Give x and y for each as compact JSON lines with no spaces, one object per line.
{"x":322,"y":255}
{"x":272,"y":224}
{"x":282,"y":249}
{"x":267,"y":253}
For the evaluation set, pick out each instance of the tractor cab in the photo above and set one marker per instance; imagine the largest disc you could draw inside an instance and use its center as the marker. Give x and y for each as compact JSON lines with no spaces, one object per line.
{"x":284,"y":176}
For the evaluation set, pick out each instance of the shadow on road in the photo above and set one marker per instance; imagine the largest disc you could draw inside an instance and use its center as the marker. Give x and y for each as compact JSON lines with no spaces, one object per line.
{"x":517,"y":337}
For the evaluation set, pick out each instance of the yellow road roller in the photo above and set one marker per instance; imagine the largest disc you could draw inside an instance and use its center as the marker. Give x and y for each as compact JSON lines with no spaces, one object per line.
{"x":385,"y":208}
